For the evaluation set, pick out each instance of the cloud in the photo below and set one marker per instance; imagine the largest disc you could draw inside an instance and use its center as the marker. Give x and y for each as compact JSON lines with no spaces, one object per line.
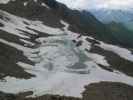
{"x":95,"y":4}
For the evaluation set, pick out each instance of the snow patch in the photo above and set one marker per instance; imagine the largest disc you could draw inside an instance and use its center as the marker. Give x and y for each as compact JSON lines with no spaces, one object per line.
{"x":25,"y":3}
{"x":122,"y":52}
{"x":18,"y":26}
{"x":44,"y":5}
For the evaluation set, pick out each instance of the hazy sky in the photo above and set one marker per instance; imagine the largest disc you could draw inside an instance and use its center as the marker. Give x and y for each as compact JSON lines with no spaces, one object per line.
{"x":92,"y":4}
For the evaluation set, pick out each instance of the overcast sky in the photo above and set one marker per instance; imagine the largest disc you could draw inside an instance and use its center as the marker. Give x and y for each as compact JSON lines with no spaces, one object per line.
{"x":93,"y":4}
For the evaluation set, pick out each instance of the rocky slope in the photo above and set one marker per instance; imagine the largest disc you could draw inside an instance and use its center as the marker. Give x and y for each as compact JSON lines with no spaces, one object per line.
{"x":80,"y":21}
{"x":46,"y":47}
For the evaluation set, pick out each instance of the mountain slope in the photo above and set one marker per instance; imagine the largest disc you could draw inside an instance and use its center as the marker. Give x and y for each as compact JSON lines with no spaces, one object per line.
{"x":45,"y":43}
{"x":80,"y":22}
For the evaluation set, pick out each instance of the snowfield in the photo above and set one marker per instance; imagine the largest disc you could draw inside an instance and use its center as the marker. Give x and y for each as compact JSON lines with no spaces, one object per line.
{"x":61,"y":67}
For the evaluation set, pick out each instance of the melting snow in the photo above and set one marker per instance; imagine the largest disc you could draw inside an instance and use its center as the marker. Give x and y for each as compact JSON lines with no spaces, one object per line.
{"x":17,"y":26}
{"x":122,"y":52}
{"x":61,"y":67}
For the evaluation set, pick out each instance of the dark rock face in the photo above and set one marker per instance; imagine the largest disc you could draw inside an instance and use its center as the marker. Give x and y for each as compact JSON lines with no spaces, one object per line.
{"x":108,"y":91}
{"x":8,"y":60}
{"x":1,"y":25}
{"x":33,"y":11}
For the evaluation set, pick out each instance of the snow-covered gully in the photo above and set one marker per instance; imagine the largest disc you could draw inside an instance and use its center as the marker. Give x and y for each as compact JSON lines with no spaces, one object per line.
{"x":61,"y":67}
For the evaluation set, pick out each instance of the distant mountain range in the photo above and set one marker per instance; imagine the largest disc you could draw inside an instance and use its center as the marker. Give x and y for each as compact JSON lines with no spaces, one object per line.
{"x":119,"y":16}
{"x":120,"y":23}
